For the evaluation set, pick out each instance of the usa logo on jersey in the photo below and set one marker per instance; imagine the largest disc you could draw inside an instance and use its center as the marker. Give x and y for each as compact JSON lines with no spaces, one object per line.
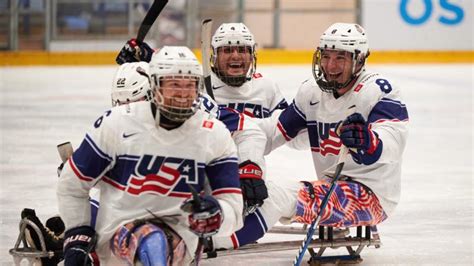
{"x":250,"y":109}
{"x":323,"y":138}
{"x":160,"y":175}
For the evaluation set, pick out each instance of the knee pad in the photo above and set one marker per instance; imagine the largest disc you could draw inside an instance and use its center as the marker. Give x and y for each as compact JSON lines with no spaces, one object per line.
{"x":145,"y":242}
{"x":153,"y":249}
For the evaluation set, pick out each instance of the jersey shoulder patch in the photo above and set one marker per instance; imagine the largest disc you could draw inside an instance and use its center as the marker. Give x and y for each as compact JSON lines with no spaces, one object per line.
{"x":208,"y":124}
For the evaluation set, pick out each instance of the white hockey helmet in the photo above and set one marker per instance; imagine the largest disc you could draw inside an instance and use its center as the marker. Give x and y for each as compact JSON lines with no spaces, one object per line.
{"x":231,"y":35}
{"x":347,"y":37}
{"x":131,"y":83}
{"x":176,"y":63}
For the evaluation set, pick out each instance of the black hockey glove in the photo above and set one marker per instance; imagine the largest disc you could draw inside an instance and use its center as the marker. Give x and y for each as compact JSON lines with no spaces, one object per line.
{"x":354,"y":132}
{"x":253,"y":186}
{"x":205,"y":216}
{"x":79,"y":245}
{"x":134,"y":51}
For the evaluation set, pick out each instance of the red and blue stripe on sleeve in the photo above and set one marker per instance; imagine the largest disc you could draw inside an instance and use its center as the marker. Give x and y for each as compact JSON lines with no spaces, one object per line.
{"x":88,"y":162}
{"x":223,"y":176}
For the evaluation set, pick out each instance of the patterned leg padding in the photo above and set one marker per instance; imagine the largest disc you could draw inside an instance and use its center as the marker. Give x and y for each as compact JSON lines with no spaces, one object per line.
{"x":128,"y":237}
{"x":350,"y":204}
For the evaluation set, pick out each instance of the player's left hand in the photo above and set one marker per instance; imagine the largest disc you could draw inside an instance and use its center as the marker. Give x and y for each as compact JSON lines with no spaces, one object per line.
{"x":253,"y":186}
{"x":205,"y":216}
{"x":134,"y":51}
{"x":354,"y":132}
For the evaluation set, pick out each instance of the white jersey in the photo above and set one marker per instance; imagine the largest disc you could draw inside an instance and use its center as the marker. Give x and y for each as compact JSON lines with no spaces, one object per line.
{"x":380,"y":103}
{"x":258,"y":97}
{"x":145,"y":168}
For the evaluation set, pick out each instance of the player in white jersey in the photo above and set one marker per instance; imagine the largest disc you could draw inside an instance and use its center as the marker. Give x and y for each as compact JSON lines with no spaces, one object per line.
{"x":237,"y":85}
{"x":149,"y":157}
{"x":130,"y":84}
{"x":234,"y":79}
{"x":346,"y":105}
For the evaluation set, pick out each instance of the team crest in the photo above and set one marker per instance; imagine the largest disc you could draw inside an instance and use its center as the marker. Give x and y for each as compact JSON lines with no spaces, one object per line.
{"x":160,"y":175}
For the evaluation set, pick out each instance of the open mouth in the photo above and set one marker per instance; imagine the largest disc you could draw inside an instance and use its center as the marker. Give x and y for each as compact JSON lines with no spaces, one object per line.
{"x":181,"y":102}
{"x":333,"y":76}
{"x":235,"y":65}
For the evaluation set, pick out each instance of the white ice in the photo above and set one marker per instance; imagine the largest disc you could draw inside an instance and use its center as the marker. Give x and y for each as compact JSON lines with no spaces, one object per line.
{"x":41,"y":107}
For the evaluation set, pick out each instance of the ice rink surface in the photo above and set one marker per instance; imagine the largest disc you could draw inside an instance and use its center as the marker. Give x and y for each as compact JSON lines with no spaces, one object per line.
{"x":41,"y":107}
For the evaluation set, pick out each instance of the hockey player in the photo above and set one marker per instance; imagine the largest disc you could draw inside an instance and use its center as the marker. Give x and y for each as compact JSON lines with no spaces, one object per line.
{"x":236,"y":84}
{"x":346,"y":105}
{"x":149,"y":156}
{"x":131,"y":83}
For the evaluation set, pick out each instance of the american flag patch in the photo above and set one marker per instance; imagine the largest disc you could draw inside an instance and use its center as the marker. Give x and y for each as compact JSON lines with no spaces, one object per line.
{"x":358,"y":87}
{"x":207,"y":124}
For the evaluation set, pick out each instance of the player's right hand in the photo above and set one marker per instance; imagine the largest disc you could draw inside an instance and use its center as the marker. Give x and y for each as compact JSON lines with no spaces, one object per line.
{"x":134,"y":51}
{"x":79,"y":244}
{"x":205,"y":216}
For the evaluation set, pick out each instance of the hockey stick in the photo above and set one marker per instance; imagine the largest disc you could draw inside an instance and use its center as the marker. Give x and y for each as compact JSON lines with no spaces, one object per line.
{"x":150,"y":18}
{"x":202,"y":240}
{"x":206,"y":54}
{"x":65,"y":151}
{"x":324,"y":203}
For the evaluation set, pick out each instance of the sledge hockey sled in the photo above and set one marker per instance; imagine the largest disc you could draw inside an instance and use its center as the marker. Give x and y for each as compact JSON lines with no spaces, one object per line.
{"x":328,"y":237}
{"x":32,"y":254}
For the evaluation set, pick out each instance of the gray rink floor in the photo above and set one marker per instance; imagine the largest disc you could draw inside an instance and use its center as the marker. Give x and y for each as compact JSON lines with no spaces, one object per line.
{"x":41,"y":107}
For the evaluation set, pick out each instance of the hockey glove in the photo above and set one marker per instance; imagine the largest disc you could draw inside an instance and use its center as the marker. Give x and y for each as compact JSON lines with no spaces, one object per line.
{"x":79,"y":244}
{"x":205,"y":216}
{"x":134,"y":51}
{"x":253,"y":186}
{"x":356,"y":134}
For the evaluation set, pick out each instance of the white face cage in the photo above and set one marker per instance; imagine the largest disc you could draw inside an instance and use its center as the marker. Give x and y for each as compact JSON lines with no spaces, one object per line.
{"x":176,"y":78}
{"x":233,"y":37}
{"x":177,"y":96}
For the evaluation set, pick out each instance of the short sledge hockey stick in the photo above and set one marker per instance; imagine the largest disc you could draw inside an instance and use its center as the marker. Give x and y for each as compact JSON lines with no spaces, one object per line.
{"x":150,"y":18}
{"x":312,"y":228}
